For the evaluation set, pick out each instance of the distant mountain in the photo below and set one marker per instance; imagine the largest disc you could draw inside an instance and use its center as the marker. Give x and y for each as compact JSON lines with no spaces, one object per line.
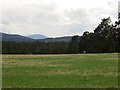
{"x":59,"y":39}
{"x":19,"y":38}
{"x":14,"y":37}
{"x":37,"y":36}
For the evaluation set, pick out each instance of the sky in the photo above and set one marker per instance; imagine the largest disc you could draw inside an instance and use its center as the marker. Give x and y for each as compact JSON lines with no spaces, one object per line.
{"x":54,"y":18}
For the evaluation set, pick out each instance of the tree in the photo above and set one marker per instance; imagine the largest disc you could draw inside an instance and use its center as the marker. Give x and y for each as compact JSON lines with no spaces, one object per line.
{"x":74,"y":45}
{"x":104,"y":38}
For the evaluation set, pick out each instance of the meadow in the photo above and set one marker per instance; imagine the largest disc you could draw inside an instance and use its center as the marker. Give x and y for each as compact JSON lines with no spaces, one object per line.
{"x":60,"y":71}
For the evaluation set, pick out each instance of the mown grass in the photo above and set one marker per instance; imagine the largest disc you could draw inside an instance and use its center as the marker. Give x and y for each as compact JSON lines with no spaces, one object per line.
{"x":60,"y":71}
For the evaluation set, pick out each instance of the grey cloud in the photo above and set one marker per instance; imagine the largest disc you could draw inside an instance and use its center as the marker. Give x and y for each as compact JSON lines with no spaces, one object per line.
{"x":78,"y":15}
{"x":80,"y":28}
{"x":119,"y":6}
{"x":110,"y":3}
{"x":100,"y":12}
{"x":32,"y":14}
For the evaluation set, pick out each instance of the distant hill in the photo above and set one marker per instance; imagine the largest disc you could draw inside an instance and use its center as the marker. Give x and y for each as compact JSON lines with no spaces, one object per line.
{"x":15,"y":37}
{"x":37,"y":36}
{"x":19,"y":38}
{"x":60,"y":39}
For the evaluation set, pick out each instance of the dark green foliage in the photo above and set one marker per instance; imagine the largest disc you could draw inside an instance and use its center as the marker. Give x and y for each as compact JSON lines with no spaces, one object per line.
{"x":34,"y":47}
{"x":104,"y":39}
{"x":74,"y":45}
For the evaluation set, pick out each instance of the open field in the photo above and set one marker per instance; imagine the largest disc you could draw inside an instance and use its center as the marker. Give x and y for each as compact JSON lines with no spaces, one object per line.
{"x":60,"y":71}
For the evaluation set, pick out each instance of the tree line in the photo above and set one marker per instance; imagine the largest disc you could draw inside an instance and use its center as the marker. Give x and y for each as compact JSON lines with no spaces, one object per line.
{"x":104,"y":39}
{"x":34,"y":47}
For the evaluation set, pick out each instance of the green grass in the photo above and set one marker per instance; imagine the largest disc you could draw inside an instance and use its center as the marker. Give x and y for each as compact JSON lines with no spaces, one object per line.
{"x":60,"y":71}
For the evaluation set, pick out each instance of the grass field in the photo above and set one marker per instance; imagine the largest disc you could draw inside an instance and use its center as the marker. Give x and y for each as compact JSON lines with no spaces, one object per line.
{"x":60,"y":71}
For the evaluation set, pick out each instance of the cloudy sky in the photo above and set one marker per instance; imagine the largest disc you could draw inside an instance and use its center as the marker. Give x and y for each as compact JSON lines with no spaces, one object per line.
{"x":54,"y":18}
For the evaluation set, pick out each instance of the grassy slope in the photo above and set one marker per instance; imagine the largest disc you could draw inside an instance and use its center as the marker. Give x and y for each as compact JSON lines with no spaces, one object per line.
{"x":68,"y":71}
